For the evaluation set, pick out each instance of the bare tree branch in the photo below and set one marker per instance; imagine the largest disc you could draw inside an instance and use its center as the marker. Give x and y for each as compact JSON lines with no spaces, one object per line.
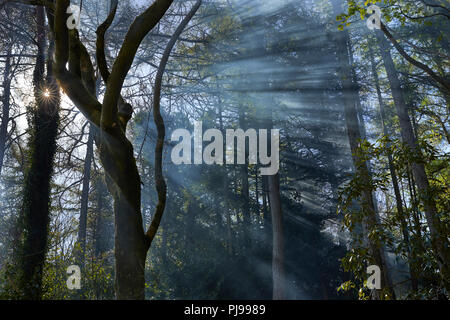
{"x":442,"y":81}
{"x":140,"y":27}
{"x":100,"y":44}
{"x":159,"y":122}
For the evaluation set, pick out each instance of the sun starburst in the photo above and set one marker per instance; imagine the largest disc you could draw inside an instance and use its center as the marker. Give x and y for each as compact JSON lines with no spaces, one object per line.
{"x":47,"y":95}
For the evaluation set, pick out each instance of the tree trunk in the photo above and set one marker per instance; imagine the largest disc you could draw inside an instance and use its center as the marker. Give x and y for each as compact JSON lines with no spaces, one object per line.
{"x":93,"y":136}
{"x":85,"y":197}
{"x":257,"y":208}
{"x":245,"y":194}
{"x":350,"y":97}
{"x":398,"y":199}
{"x":124,"y":184}
{"x":37,"y":182}
{"x":130,"y":249}
{"x":276,"y":214}
{"x":5,"y":107}
{"x":101,"y":234}
{"x":438,"y":237}
{"x":278,"y":241}
{"x":265,"y":205}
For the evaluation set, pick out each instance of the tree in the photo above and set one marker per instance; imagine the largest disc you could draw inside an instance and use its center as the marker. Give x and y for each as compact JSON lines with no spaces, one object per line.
{"x":111,"y":117}
{"x":397,"y":12}
{"x":398,"y":198}
{"x":438,"y":236}
{"x":36,"y":202}
{"x":369,"y":215}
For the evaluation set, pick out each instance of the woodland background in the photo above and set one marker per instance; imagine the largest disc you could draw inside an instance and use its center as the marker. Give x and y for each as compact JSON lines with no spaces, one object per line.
{"x":364,"y":161}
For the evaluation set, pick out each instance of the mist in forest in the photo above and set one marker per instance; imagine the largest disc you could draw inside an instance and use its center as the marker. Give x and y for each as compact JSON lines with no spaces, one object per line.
{"x":253,"y":64}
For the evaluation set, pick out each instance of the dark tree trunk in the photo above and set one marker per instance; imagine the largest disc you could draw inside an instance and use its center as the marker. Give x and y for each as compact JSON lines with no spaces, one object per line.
{"x":5,"y":107}
{"x":102,"y":236}
{"x":226,"y":209}
{"x":278,"y":238}
{"x":225,"y":185}
{"x":276,"y":220}
{"x":265,"y":204}
{"x":245,"y":194}
{"x":37,"y":182}
{"x":124,"y":184}
{"x":93,"y":136}
{"x":85,"y":197}
{"x":257,"y":208}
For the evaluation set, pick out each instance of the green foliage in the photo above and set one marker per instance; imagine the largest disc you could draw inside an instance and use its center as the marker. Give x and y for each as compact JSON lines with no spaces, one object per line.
{"x":396,"y":11}
{"x":418,"y":254}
